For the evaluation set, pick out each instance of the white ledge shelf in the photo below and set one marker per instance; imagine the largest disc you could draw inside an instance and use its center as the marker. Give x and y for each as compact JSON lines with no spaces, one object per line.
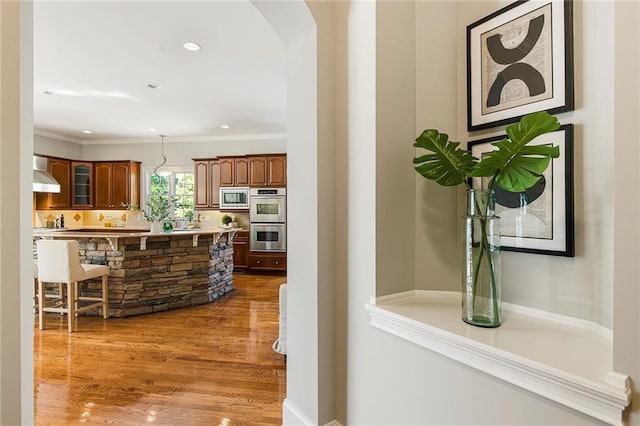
{"x":561,"y":358}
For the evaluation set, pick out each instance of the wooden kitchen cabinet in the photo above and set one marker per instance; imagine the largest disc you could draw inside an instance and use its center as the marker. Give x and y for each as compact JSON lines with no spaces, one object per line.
{"x":267,"y":261}
{"x":234,"y":171}
{"x":213,"y":173}
{"x":268,"y":170}
{"x":81,"y":185}
{"x":242,"y":171}
{"x":241,"y":250}
{"x":201,"y":177}
{"x":214,"y":184}
{"x":227,"y":172}
{"x":207,"y":183}
{"x":116,"y":182}
{"x":60,"y":169}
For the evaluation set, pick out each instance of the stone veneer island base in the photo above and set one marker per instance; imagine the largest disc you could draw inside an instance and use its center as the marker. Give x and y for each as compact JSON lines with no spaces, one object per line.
{"x":157,"y":272}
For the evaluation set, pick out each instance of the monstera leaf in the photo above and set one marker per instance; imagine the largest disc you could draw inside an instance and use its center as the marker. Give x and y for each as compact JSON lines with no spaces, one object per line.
{"x":448,"y":165}
{"x":515,"y":166}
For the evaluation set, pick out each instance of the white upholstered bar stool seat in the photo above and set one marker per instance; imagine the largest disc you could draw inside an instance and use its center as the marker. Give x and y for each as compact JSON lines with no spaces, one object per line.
{"x":59,"y":262}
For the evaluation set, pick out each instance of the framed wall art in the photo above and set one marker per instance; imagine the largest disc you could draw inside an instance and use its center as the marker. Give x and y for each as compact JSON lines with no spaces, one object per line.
{"x":520,"y":60}
{"x":541,"y":219}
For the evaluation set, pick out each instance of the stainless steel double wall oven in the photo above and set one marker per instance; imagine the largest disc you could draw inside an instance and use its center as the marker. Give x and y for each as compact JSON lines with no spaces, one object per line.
{"x":268,"y":216}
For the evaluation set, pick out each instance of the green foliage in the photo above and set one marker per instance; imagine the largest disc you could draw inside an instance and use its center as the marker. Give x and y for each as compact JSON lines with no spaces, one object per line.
{"x":514,"y":166}
{"x":158,"y":208}
{"x":183,"y":185}
{"x":159,"y":185}
{"x":448,"y":165}
{"x":226,"y":219}
{"x":167,"y":225}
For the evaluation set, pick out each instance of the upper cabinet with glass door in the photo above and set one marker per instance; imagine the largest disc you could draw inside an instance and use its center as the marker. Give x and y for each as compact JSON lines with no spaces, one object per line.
{"x":81,"y":185}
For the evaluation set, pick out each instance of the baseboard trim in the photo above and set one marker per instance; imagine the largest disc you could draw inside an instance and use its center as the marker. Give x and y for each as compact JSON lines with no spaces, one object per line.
{"x":293,"y":416}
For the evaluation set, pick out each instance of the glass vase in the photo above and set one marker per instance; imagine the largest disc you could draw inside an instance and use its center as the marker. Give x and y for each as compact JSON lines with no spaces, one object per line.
{"x":481,"y":260}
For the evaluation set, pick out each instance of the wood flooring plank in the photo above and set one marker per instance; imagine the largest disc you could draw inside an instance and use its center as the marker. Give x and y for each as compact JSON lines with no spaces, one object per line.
{"x":204,"y":365}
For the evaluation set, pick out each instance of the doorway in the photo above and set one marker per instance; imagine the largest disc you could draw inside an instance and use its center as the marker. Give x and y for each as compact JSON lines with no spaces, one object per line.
{"x":296,"y":25}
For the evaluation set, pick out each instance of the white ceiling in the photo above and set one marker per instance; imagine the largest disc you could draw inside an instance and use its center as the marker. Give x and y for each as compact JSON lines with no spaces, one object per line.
{"x":99,"y":57}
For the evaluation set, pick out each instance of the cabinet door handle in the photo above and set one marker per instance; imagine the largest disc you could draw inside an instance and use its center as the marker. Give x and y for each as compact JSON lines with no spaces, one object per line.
{"x":257,"y":261}
{"x":277,"y":263}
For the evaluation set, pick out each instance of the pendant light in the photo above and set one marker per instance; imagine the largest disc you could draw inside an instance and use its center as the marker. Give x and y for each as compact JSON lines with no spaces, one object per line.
{"x":164,"y":159}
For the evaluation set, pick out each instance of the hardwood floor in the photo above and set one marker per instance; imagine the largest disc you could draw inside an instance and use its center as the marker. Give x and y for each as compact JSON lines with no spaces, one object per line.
{"x":206,"y":365}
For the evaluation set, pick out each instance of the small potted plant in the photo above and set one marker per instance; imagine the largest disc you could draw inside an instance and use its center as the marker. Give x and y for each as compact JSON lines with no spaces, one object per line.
{"x":226,"y":220}
{"x":158,"y":211}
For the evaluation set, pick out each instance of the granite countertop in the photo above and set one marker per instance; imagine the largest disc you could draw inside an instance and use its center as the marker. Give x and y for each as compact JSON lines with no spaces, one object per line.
{"x":124,"y":232}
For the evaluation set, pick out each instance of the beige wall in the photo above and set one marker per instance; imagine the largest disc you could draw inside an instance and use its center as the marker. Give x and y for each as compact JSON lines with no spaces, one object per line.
{"x":626,"y":350}
{"x":181,"y":153}
{"x":395,"y":127}
{"x":55,"y":146}
{"x":177,"y":153}
{"x":16,"y":285}
{"x":581,"y":286}
{"x":437,"y":261}
{"x":391,"y":381}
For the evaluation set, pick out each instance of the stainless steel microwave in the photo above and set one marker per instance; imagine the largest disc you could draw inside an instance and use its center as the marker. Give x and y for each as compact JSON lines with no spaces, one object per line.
{"x":234,"y":198}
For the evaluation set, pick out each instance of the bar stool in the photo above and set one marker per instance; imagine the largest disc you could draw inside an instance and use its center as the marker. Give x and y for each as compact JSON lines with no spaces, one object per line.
{"x":56,"y":296}
{"x":59,"y":262}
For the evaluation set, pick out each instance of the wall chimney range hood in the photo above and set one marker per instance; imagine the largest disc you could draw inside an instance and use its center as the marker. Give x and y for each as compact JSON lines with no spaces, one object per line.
{"x":42,"y":180}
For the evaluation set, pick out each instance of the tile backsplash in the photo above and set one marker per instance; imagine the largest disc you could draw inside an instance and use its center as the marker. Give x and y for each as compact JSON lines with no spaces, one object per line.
{"x":133,"y":218}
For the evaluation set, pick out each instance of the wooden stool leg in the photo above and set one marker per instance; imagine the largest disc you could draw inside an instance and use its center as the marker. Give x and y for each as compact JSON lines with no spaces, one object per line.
{"x":76,"y":296}
{"x":105,"y":297}
{"x":41,"y":301}
{"x":61,"y":294}
{"x":71,"y":303}
{"x":36,"y":298}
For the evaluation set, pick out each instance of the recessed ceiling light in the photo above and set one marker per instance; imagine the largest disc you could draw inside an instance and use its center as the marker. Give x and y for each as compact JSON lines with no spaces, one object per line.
{"x":225,"y":126}
{"x":154,"y":86}
{"x":193,"y":47}
{"x":88,"y":132}
{"x":151,"y":129}
{"x":49,"y":92}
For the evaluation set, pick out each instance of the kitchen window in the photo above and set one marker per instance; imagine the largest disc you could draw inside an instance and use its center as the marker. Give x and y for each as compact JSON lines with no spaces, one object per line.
{"x":177,"y":182}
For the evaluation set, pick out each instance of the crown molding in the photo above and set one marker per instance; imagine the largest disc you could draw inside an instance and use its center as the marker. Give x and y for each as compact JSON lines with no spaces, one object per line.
{"x":154,"y":139}
{"x":58,"y":136}
{"x":183,"y":139}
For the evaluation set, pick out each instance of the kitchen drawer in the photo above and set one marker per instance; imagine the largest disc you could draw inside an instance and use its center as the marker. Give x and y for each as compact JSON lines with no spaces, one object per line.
{"x":242,"y":236}
{"x":268,"y":261}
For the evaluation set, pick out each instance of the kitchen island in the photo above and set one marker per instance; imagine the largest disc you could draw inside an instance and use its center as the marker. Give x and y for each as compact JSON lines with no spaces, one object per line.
{"x":152,"y":272}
